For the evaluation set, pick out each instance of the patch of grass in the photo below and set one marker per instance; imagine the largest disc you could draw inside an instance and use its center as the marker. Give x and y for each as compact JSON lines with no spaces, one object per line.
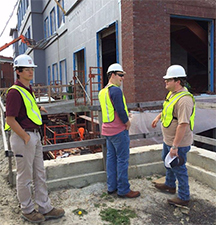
{"x":97,"y":205}
{"x":80,"y":212}
{"x":148,"y":178}
{"x":107,"y":197}
{"x":117,"y":217}
{"x":104,"y":194}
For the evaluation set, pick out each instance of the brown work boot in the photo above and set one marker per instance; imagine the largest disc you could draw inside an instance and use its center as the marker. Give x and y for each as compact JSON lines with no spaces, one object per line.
{"x":165,"y":188}
{"x":33,"y":217}
{"x":130,"y":194}
{"x":178,"y":201}
{"x":54,"y":214}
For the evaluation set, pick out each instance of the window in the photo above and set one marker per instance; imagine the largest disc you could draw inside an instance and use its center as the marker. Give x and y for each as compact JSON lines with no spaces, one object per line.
{"x":79,"y":72}
{"x":80,"y":65}
{"x":49,"y":75}
{"x":28,"y":33}
{"x":61,"y":18}
{"x":54,"y":72}
{"x":46,"y":27}
{"x":52,"y":21}
{"x":63,"y":73}
{"x":23,"y":5}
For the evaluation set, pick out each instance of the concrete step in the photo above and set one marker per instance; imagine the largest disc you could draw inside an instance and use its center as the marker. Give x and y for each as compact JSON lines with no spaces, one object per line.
{"x":202,"y":158}
{"x":84,"y":170}
{"x":80,"y":171}
{"x":202,"y":175}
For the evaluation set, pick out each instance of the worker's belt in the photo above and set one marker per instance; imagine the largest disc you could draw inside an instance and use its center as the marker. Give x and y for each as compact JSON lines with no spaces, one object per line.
{"x":32,"y":130}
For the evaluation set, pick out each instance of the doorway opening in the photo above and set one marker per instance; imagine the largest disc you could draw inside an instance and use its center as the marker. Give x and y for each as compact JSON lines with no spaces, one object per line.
{"x":108,"y":49}
{"x":190,"y":47}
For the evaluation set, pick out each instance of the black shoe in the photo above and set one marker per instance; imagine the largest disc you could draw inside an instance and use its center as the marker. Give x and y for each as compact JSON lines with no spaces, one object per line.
{"x":111,"y":192}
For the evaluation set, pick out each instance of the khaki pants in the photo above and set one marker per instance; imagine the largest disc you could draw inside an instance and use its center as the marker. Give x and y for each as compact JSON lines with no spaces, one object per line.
{"x":30,"y":173}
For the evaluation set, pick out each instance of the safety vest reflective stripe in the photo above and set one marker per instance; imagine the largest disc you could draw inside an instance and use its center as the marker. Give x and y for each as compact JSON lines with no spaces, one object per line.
{"x":107,"y":106}
{"x":32,"y":110}
{"x":168,"y":107}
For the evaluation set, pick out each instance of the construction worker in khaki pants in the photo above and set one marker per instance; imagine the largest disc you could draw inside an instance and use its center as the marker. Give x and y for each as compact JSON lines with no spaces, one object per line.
{"x":24,"y":118}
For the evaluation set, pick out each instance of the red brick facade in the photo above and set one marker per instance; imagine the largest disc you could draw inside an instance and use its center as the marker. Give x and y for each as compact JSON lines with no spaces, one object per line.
{"x":146,"y":43}
{"x":6,"y":72}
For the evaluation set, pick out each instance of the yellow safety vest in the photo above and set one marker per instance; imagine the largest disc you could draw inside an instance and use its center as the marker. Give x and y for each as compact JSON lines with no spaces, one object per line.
{"x":107,"y":106}
{"x":168,"y":107}
{"x":32,"y":110}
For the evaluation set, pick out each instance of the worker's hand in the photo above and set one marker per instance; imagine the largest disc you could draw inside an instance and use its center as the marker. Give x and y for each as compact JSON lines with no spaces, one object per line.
{"x":155,"y":121}
{"x":128,"y":124}
{"x":27,"y":138}
{"x":43,"y":109}
{"x":173,"y":152}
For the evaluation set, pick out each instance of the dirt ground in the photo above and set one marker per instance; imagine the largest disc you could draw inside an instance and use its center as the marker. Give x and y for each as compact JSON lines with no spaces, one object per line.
{"x":150,"y":208}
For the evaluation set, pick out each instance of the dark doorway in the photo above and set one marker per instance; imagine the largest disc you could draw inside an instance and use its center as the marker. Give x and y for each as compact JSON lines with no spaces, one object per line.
{"x":189,"y":48}
{"x":108,"y":41}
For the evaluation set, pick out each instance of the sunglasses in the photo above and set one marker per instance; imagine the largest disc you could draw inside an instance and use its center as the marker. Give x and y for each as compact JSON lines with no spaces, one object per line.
{"x":120,"y":74}
{"x":28,"y":69}
{"x":169,"y":80}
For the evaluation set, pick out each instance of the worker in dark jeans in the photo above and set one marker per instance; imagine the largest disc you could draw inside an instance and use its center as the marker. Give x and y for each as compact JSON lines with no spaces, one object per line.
{"x":23,"y":117}
{"x":115,"y":128}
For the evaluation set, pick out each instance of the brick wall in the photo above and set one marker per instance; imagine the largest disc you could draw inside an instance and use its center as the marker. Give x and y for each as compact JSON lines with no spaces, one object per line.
{"x":6,"y":72}
{"x":146,"y":43}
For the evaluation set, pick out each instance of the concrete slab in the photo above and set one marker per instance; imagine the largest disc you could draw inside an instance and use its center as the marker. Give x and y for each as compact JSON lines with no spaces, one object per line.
{"x":81,"y":171}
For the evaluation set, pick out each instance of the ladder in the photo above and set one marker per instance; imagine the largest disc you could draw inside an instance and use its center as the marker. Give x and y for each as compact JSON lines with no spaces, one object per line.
{"x":96,"y":84}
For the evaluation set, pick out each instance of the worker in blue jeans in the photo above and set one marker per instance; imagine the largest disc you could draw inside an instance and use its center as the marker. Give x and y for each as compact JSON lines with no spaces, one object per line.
{"x":117,"y":160}
{"x":178,"y":172}
{"x":177,"y":123}
{"x":115,"y":128}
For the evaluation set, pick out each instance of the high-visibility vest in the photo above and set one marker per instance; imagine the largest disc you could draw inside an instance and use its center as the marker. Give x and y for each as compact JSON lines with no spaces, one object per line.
{"x":107,"y":106}
{"x":168,"y":107}
{"x":32,"y":110}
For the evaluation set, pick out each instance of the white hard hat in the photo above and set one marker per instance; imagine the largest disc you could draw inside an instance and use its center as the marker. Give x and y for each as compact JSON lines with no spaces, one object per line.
{"x":175,"y":71}
{"x":115,"y":67}
{"x":172,"y":162}
{"x":23,"y":61}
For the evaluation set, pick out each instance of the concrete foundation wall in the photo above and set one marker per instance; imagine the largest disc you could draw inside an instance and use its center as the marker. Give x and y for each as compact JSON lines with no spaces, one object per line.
{"x":81,"y":171}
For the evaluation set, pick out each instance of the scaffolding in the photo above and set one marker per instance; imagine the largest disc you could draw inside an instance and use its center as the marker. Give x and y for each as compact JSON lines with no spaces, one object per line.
{"x":81,"y":97}
{"x":96,"y":84}
{"x":60,"y":133}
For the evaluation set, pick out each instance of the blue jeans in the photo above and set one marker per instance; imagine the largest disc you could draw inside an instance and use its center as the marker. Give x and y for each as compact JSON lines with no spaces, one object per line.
{"x":178,"y":172}
{"x":117,"y":162}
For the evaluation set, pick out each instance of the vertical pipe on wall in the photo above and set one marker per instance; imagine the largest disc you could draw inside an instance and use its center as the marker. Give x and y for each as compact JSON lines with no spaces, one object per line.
{"x":212,"y":56}
{"x":117,"y":43}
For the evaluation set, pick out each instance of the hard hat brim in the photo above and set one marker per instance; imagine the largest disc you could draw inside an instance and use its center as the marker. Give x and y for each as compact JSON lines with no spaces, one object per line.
{"x":26,"y":66}
{"x":168,"y":77}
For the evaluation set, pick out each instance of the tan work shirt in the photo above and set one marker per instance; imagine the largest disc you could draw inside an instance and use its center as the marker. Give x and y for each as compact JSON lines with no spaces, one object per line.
{"x":182,"y":111}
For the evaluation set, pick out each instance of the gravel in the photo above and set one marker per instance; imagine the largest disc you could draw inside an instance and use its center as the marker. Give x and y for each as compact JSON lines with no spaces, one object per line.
{"x":151,"y":207}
